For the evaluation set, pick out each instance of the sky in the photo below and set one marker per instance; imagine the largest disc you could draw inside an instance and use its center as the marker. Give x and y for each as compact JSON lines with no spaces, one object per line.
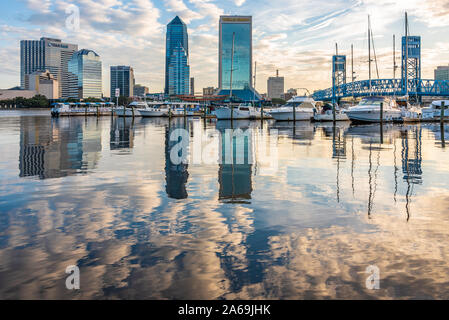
{"x":296,"y":37}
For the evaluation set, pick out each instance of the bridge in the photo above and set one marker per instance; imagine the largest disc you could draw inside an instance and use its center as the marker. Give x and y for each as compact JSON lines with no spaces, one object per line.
{"x":385,"y":87}
{"x":410,"y":83}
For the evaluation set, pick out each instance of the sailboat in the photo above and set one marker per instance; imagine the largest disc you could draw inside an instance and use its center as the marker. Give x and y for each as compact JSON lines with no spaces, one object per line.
{"x":241,"y":112}
{"x":368,"y":109}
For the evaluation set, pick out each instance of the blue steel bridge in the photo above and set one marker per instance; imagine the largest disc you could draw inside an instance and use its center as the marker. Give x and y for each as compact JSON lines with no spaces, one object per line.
{"x":385,"y":87}
{"x":409,"y":83}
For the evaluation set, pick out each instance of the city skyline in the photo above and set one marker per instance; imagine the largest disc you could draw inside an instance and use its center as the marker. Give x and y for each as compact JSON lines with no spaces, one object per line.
{"x":299,"y":40}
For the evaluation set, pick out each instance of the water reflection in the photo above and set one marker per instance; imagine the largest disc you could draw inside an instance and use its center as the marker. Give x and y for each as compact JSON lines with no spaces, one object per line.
{"x":140,"y":226}
{"x":121,"y":133}
{"x":53,"y":148}
{"x":234,"y":175}
{"x":176,"y":175}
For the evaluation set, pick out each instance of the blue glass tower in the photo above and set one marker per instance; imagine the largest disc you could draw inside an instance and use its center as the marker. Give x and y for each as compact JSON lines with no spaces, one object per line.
{"x":239,"y":27}
{"x":177,"y":40}
{"x":85,"y":78}
{"x":178,"y":72}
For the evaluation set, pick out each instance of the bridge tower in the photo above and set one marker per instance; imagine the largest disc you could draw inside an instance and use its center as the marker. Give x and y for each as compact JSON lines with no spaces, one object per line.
{"x":338,"y":76}
{"x":411,"y":65}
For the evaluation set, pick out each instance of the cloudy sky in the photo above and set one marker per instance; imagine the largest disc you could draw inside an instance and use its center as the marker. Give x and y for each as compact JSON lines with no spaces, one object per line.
{"x":295,"y":36}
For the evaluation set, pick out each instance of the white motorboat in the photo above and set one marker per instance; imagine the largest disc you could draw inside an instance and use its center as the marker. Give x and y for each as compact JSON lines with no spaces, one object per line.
{"x":241,"y":112}
{"x":131,"y":110}
{"x":154,"y":109}
{"x":368,"y":110}
{"x":433,"y":111}
{"x":326,"y":114}
{"x":304,"y":110}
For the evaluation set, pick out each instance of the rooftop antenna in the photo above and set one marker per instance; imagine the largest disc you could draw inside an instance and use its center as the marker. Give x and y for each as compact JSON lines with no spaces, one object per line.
{"x":369,"y":53}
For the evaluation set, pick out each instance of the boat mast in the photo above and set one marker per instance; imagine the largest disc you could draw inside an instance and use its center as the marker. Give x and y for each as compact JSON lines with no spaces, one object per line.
{"x":254,"y":87}
{"x":232,"y":67}
{"x":352,"y":63}
{"x":369,"y":53}
{"x":406,"y":55}
{"x":394,"y":57}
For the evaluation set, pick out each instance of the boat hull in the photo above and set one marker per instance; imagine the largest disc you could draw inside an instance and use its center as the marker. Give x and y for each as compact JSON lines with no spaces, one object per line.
{"x":153,"y":113}
{"x":372,"y":116}
{"x":227,"y":114}
{"x":127,"y":113}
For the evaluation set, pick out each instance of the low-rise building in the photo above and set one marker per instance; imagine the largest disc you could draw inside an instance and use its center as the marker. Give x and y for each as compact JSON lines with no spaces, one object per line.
{"x":43,"y":83}
{"x":140,"y":91}
{"x":209,"y":91}
{"x":442,"y":73}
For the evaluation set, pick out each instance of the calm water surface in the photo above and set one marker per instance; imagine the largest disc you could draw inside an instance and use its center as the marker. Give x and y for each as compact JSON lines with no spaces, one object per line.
{"x":103,"y":194}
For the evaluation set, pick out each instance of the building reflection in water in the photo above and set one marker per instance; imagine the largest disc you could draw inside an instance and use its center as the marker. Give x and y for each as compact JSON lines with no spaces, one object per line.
{"x":338,"y":152}
{"x":122,"y":133}
{"x":235,"y":162}
{"x":176,"y":175}
{"x":411,"y":161}
{"x":52,"y":148}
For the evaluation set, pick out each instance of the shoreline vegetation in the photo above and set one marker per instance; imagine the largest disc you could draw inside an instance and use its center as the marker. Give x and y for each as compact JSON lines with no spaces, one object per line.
{"x":37,"y":102}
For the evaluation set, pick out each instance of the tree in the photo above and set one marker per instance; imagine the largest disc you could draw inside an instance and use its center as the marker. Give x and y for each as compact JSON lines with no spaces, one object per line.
{"x":124,"y":101}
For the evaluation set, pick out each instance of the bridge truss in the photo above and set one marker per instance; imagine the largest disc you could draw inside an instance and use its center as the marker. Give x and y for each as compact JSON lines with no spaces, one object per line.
{"x":385,"y":87}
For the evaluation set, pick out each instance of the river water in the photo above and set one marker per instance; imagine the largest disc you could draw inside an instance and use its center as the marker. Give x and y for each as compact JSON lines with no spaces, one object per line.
{"x":308,"y":212}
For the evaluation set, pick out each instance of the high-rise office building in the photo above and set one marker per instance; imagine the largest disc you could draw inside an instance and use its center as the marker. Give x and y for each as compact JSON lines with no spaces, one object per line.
{"x":275,"y":86}
{"x":122,"y":77}
{"x":85,"y":75}
{"x":442,"y":73}
{"x":178,"y":72}
{"x":237,"y":30}
{"x":177,"y":48}
{"x":46,"y":54}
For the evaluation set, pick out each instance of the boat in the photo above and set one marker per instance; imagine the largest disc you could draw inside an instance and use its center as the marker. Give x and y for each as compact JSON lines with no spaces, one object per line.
{"x":368,"y":110}
{"x":154,"y":109}
{"x":241,"y":112}
{"x":60,"y":109}
{"x":433,"y":111}
{"x":305,"y":108}
{"x":326,"y":114}
{"x":132,"y":110}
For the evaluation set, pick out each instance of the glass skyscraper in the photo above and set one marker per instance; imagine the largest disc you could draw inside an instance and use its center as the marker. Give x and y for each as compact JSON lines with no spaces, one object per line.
{"x":239,"y":28}
{"x":122,"y":77}
{"x":85,"y":75}
{"x":177,"y":70}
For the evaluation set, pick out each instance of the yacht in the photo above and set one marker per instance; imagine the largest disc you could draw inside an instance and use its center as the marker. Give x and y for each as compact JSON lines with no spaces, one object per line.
{"x":131,"y":110}
{"x":305,"y":108}
{"x":154,"y":109}
{"x":368,"y":110}
{"x":240,"y":112}
{"x":326,"y":114}
{"x":433,"y":111}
